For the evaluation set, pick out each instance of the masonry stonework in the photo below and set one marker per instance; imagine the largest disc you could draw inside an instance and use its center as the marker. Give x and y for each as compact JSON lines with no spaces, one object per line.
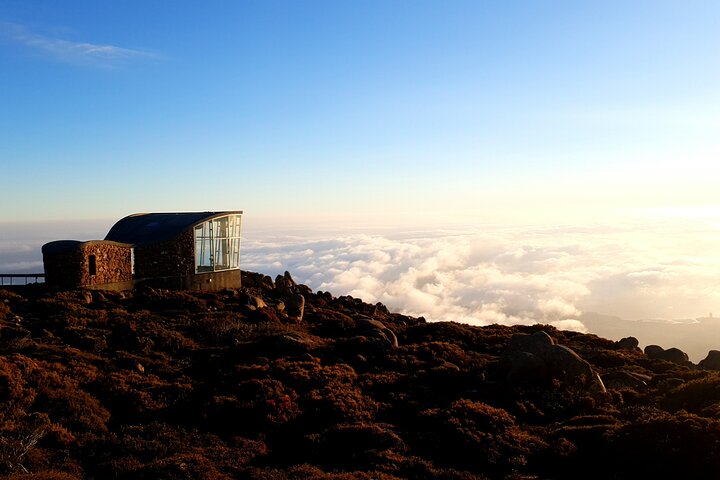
{"x":156,"y":249}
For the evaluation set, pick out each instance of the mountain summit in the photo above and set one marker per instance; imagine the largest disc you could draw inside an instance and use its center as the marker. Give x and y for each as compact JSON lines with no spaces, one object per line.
{"x":276,"y":381}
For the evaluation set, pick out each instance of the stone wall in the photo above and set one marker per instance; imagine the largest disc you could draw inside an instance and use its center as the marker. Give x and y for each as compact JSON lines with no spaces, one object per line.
{"x":172,"y":258}
{"x":63,"y":269}
{"x":70,"y":267}
{"x":112,"y":263}
{"x":169,"y":264}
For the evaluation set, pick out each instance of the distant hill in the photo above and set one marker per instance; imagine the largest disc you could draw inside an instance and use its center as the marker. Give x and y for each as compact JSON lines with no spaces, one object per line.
{"x":276,"y":381}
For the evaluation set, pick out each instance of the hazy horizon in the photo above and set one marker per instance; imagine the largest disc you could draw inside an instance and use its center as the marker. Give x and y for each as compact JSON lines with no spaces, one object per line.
{"x":660,"y":268}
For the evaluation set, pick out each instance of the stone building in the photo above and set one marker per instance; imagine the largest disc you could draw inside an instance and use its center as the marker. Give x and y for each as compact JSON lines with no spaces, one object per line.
{"x":195,"y":251}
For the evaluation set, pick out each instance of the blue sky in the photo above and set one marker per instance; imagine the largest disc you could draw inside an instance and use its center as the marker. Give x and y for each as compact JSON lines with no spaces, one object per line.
{"x":468,"y":111}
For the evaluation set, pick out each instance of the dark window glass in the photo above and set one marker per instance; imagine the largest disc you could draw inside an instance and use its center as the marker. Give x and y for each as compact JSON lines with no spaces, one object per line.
{"x":92,"y":264}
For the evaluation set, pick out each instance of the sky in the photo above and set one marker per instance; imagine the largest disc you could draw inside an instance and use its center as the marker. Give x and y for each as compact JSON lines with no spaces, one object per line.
{"x":374,"y":111}
{"x":510,"y":161}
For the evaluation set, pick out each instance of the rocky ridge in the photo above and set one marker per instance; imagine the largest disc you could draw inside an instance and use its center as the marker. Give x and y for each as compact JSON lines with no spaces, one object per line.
{"x":277,"y":381}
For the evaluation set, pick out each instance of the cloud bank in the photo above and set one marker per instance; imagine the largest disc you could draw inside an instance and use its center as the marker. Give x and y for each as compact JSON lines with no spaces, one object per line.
{"x":509,"y":275}
{"x":664,"y":270}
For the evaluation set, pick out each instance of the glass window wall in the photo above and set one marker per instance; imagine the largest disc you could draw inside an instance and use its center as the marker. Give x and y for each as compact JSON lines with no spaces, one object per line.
{"x":217,"y":244}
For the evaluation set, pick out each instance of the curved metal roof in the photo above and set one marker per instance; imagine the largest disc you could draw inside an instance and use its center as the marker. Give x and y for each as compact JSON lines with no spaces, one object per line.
{"x":142,"y":228}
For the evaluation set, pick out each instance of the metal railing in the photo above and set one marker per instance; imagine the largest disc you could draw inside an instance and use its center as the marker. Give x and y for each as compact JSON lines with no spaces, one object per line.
{"x":7,"y":279}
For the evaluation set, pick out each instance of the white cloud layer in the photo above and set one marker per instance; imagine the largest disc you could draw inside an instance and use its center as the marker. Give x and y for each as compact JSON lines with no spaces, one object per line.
{"x":664,"y":270}
{"x":510,"y":275}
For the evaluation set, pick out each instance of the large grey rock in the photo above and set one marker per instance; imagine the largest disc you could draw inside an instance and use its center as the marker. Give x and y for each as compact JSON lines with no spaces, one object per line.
{"x":291,"y":343}
{"x":654,"y":351}
{"x":285,"y":284}
{"x":674,"y":355}
{"x":711,"y":362}
{"x":559,"y":360}
{"x":524,"y":368}
{"x":628,"y":343}
{"x":296,"y":306}
{"x":534,"y":343}
{"x":375,"y":328}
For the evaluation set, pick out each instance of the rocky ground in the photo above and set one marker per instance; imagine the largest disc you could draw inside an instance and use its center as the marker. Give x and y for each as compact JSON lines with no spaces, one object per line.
{"x":276,"y":381}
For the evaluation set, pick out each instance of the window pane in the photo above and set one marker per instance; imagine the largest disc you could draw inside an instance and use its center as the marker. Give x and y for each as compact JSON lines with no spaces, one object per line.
{"x":217,"y":244}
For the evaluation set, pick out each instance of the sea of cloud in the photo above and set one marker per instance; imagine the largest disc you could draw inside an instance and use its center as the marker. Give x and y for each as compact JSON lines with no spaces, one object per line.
{"x":21,"y":242}
{"x":664,"y":270}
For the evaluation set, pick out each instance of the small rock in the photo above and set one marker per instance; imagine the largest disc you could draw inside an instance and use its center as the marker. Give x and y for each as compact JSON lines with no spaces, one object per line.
{"x":257,"y":302}
{"x":87,"y":297}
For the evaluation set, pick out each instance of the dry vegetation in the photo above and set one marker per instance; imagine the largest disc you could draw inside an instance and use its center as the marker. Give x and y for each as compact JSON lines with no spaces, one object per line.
{"x":180,"y":385}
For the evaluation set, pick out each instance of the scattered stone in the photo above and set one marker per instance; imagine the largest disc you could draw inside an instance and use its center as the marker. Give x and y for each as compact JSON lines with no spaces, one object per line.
{"x":674,"y":355}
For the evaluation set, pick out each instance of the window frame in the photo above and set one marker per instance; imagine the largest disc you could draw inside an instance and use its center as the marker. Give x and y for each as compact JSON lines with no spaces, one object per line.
{"x":218,"y":238}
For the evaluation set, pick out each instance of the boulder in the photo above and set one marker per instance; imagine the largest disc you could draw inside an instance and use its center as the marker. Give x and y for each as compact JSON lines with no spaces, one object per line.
{"x":674,"y":355}
{"x":654,"y":351}
{"x":285,"y":284}
{"x":296,"y":306}
{"x":628,"y":343}
{"x":711,"y":362}
{"x":256,"y":280}
{"x":559,"y":360}
{"x":291,"y":343}
{"x":257,"y":302}
{"x":537,"y":342}
{"x":524,"y":368}
{"x":375,"y":328}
